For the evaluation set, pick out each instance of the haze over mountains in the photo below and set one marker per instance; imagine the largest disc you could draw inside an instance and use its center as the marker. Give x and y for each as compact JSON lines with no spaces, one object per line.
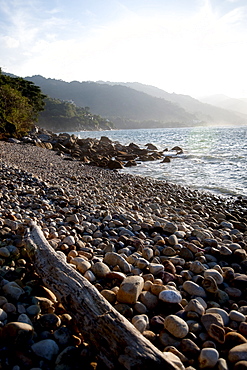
{"x":135,"y":105}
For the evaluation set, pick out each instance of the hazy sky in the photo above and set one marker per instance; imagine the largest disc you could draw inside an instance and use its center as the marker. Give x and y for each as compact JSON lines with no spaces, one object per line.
{"x":194,"y":47}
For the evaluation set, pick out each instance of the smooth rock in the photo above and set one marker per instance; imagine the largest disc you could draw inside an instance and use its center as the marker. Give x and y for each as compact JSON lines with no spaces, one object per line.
{"x":233,"y":339}
{"x":197,"y":267}
{"x":3,"y":315}
{"x":170,"y":227}
{"x":221,"y":312}
{"x":67,"y":358}
{"x":13,"y":290}
{"x":50,"y":321}
{"x":210,"y":285}
{"x":4,"y":252}
{"x":33,"y":310}
{"x":217,"y":333}
{"x":140,"y":308}
{"x":194,"y":289}
{"x":100,"y":269}
{"x":69,"y":240}
{"x":63,"y":336}
{"x":17,"y":333}
{"x":211,"y":318}
{"x":238,"y":353}
{"x":195,"y":305}
{"x":243,"y":328}
{"x":113,"y":259}
{"x":176,"y":326}
{"x":25,"y":319}
{"x":46,"y":349}
{"x":109,"y":295}
{"x":237,"y":316}
{"x":168,"y":340}
{"x":189,"y":348}
{"x":215,"y":274}
{"x":240,"y":365}
{"x":170,"y":296}
{"x":149,"y":300}
{"x":208,"y":358}
{"x":222,"y":364}
{"x":130,"y":289}
{"x":155,"y":268}
{"x":81,"y":264}
{"x":140,"y":322}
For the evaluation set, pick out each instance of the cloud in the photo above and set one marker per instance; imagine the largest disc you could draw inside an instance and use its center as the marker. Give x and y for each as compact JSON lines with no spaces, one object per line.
{"x":172,"y":50}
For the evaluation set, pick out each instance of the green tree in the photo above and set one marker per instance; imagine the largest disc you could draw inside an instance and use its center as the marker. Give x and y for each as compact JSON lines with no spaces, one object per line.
{"x":15,"y":112}
{"x":20,"y":103}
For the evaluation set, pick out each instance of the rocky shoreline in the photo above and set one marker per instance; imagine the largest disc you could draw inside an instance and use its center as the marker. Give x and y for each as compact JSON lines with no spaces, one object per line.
{"x":170,"y":259}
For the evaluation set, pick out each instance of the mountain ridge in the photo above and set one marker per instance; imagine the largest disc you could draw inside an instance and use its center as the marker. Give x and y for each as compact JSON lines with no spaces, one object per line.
{"x":136,"y":105}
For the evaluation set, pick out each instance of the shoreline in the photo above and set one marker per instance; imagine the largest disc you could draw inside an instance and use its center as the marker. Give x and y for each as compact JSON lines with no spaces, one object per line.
{"x":170,"y":236}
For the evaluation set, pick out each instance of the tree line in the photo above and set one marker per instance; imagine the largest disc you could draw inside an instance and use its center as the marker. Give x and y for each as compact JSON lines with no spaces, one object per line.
{"x":22,"y":104}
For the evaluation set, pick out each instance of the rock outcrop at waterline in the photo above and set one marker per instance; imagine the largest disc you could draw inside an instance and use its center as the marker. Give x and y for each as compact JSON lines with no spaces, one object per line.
{"x":97,"y":152}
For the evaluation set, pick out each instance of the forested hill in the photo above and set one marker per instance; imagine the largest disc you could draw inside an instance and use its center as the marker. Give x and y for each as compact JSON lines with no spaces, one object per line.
{"x":125,"y":107}
{"x":66,"y":116}
{"x":135,"y":105}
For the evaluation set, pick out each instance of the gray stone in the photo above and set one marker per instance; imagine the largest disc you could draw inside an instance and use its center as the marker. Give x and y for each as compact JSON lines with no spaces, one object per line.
{"x":237,"y":316}
{"x":63,"y":336}
{"x":155,"y":268}
{"x":197,"y":267}
{"x":113,"y":259}
{"x":100,"y":269}
{"x":215,"y":274}
{"x":140,"y":322}
{"x":46,"y":349}
{"x":170,"y":227}
{"x":221,"y":312}
{"x":170,"y":296}
{"x":4,"y":252}
{"x":33,"y":310}
{"x":149,"y":300}
{"x":3,"y":315}
{"x":208,"y":358}
{"x":195,"y":306}
{"x":13,"y":290}
{"x":25,"y":319}
{"x":194,"y":289}
{"x":176,"y":326}
{"x":211,"y":318}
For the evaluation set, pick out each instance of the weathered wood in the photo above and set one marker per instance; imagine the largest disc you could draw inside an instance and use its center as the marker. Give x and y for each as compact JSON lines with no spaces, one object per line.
{"x":116,"y":340}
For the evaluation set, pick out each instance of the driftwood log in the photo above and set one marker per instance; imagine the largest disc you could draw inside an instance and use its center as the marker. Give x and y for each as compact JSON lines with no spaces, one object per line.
{"x":119,"y":345}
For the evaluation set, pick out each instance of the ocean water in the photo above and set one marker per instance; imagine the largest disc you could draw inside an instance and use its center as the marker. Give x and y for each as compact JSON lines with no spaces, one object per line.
{"x":214,"y":158}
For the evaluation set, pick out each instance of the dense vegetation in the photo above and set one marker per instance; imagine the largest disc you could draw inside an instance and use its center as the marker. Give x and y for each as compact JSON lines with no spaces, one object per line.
{"x":125,"y":107}
{"x":20,"y":103}
{"x":66,"y":116}
{"x":134,"y":105}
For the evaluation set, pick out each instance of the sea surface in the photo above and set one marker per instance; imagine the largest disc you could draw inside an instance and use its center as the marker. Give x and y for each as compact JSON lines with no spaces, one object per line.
{"x":214,"y":158}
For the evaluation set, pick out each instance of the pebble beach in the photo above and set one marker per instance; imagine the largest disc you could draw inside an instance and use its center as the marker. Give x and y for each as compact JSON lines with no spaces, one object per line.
{"x":171,"y":259}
